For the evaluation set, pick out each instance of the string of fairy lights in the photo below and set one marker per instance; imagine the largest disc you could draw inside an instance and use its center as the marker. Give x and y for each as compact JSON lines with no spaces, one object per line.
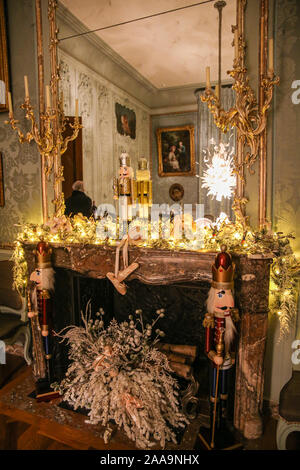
{"x":79,"y":230}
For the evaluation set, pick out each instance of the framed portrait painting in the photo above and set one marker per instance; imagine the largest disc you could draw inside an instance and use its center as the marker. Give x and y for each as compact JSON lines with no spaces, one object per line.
{"x":4,"y":75}
{"x":176,"y":151}
{"x":126,"y":120}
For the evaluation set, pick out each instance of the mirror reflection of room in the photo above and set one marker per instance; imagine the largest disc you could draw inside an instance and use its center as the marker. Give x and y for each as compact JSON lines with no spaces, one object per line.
{"x":130,"y":90}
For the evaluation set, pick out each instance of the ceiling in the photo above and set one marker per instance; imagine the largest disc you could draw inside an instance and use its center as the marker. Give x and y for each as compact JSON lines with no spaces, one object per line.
{"x":170,"y":50}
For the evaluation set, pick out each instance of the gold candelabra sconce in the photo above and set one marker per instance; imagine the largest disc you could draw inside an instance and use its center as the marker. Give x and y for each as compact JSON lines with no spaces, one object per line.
{"x":47,"y":131}
{"x":49,"y":137}
{"x":249,"y":115}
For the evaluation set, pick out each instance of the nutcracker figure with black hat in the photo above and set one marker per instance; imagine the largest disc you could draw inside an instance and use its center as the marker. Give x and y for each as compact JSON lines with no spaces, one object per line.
{"x":40,"y":313}
{"x":220,"y":339}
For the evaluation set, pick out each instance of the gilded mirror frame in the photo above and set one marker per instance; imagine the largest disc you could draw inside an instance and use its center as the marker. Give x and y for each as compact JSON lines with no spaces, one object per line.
{"x":243,"y":139}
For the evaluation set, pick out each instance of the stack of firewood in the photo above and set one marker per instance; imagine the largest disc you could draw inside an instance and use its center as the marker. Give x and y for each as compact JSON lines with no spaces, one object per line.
{"x":181,"y":358}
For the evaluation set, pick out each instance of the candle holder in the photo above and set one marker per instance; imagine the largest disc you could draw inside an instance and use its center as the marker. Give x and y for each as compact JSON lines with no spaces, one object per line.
{"x":245,"y":116}
{"x":48,"y":131}
{"x":51,"y":143}
{"x":249,"y":117}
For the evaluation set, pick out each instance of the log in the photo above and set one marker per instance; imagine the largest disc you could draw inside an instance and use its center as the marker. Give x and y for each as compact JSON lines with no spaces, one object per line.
{"x":182,"y":370}
{"x":177,"y":357}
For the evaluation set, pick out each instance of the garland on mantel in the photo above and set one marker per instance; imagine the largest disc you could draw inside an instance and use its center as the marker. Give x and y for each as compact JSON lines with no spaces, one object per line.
{"x":240,"y":240}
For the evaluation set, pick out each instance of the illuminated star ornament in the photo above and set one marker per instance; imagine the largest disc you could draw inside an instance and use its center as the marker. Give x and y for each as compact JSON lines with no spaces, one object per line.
{"x":218,"y":176}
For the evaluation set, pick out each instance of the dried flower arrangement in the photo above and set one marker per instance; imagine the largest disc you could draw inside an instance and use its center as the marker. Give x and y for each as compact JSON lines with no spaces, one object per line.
{"x":118,"y":374}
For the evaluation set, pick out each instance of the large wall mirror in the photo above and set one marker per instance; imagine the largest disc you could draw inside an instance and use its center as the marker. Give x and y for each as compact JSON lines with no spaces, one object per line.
{"x":135,"y":81}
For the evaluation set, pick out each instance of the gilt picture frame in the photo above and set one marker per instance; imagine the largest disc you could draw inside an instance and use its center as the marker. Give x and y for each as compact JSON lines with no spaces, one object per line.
{"x":176,"y":151}
{"x":4,"y":69}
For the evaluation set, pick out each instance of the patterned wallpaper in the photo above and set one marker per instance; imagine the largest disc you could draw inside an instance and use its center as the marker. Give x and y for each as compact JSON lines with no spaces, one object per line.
{"x":102,"y":144}
{"x":286,"y":181}
{"x":21,"y":169}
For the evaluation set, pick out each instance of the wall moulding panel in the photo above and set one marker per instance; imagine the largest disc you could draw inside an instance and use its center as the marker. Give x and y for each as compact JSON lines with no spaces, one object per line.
{"x":102,"y":144}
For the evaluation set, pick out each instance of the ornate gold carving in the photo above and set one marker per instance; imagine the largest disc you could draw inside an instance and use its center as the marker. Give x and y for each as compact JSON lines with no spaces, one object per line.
{"x":245,"y":116}
{"x":208,"y":321}
{"x":238,"y":209}
{"x":49,"y":138}
{"x":248,"y":115}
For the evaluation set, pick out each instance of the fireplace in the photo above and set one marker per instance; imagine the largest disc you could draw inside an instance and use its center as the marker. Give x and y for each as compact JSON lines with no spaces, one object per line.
{"x":177,"y":281}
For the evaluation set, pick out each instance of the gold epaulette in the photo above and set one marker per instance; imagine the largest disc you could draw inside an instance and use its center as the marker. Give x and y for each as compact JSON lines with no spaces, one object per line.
{"x":235,"y":315}
{"x":45,"y":294}
{"x":208,"y":321}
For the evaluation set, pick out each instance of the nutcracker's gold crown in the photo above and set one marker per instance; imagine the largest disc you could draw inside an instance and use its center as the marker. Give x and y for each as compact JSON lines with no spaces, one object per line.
{"x":223,"y":270}
{"x":43,"y":254}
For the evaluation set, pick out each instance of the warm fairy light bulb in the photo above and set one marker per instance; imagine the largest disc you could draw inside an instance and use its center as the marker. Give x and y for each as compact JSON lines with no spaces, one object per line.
{"x":237,"y":236}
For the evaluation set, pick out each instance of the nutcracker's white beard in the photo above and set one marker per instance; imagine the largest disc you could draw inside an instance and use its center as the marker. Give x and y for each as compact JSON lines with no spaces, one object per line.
{"x":230,"y":329}
{"x":230,"y":332}
{"x":48,"y":279}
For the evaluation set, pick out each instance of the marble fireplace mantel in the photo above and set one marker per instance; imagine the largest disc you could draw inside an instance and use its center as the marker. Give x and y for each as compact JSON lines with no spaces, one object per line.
{"x":165,"y":267}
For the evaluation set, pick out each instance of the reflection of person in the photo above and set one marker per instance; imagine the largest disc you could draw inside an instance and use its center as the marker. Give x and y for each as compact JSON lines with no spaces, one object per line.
{"x":182,"y":156}
{"x":172,"y":158}
{"x":78,"y":202}
{"x":220,"y":333}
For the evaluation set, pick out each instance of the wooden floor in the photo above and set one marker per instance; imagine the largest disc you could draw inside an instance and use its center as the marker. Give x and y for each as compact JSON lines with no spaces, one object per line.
{"x":15,"y":434}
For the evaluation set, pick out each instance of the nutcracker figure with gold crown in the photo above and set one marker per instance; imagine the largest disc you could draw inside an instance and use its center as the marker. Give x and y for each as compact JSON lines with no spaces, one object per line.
{"x":40,"y":313}
{"x":144,"y":188}
{"x":124,"y":191}
{"x":220,"y":338}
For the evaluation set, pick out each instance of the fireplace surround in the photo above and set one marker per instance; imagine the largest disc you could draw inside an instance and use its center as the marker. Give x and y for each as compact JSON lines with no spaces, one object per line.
{"x":187,"y":271}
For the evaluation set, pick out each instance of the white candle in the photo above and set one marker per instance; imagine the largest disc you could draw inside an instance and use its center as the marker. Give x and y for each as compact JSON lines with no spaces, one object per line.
{"x":271,"y":55}
{"x":48,"y":97}
{"x":76,"y":108}
{"x":26,"y":86}
{"x":207,"y":77}
{"x":10,"y":108}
